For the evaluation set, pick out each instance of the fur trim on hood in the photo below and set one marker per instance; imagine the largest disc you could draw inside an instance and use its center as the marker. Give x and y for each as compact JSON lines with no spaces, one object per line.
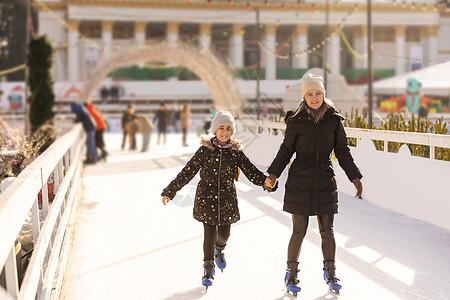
{"x":205,"y":140}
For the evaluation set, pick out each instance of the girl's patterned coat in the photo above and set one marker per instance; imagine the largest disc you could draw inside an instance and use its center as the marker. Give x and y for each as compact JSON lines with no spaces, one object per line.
{"x":216,"y":200}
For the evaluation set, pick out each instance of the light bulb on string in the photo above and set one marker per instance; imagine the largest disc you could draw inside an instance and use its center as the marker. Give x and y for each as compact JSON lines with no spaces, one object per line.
{"x":230,"y":2}
{"x":209,"y":2}
{"x":299,"y":3}
{"x":266,"y":3}
{"x":283,"y":7}
{"x":247,"y":6}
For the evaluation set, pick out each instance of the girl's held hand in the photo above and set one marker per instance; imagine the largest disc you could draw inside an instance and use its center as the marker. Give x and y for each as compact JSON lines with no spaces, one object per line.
{"x":165,"y":200}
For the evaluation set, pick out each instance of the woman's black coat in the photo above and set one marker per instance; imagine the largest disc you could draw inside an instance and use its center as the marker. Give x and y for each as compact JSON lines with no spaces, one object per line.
{"x":311,"y":184}
{"x":216,"y":201}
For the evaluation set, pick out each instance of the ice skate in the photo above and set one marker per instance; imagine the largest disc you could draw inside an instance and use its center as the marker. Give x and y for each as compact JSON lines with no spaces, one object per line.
{"x":220,"y":258}
{"x":208,"y":274}
{"x":291,"y":281}
{"x":329,"y":276}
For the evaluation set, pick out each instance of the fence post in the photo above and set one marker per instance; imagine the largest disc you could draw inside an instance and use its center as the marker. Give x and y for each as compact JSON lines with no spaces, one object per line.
{"x":12,"y":281}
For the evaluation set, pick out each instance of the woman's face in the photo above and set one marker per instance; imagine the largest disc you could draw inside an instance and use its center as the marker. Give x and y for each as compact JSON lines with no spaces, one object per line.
{"x":314,"y":99}
{"x":223,"y":134}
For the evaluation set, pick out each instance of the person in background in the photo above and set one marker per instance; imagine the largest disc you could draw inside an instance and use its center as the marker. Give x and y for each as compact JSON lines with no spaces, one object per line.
{"x":127,"y":116}
{"x":131,"y":127}
{"x":104,"y":94}
{"x":162,"y":117}
{"x":99,"y":130}
{"x":176,"y":117}
{"x":83,"y":116}
{"x":115,"y":93}
{"x":185,"y":123}
{"x":145,"y":127}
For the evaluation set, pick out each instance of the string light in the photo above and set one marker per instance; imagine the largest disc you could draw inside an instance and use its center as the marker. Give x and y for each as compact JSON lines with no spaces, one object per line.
{"x":230,"y":2}
{"x":283,"y":7}
{"x":209,"y":2}
{"x":266,"y":3}
{"x":299,"y":3}
{"x":247,"y":6}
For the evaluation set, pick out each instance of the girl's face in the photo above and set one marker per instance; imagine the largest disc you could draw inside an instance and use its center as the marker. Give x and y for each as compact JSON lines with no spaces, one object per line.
{"x":314,"y":99}
{"x":223,"y":134}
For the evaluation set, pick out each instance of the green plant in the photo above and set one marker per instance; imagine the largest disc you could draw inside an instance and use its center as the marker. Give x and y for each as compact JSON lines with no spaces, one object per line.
{"x":42,"y":99}
{"x":396,"y":122}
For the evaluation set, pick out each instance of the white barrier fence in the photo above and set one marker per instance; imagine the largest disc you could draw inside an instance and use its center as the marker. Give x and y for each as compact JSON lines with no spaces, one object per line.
{"x":414,"y":186}
{"x":62,"y":161}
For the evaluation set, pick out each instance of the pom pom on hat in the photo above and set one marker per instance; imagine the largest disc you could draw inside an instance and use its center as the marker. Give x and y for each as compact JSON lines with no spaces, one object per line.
{"x":312,"y":82}
{"x":222,"y":117}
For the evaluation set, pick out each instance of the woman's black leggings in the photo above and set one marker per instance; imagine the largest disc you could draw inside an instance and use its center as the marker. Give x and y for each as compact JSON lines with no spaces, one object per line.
{"x":300,"y":224}
{"x":214,"y":235}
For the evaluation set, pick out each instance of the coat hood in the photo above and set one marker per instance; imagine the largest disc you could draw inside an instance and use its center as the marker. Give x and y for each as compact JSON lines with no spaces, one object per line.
{"x":205,"y":140}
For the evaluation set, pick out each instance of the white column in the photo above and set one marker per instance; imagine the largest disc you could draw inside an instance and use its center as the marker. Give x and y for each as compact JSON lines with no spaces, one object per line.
{"x":400,"y":46}
{"x":269,"y":43}
{"x":107,"y":26}
{"x":300,"y":46}
{"x":172,"y":33}
{"x":334,"y":52}
{"x":171,"y":39}
{"x":433,"y":43}
{"x":139,"y":33}
{"x":237,"y":46}
{"x":205,"y":35}
{"x":425,"y":46}
{"x":360,"y":46}
{"x":365,"y":43}
{"x":72,"y":51}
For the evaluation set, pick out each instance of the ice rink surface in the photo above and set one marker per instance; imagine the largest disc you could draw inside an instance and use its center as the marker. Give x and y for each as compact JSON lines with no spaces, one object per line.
{"x":128,"y":245}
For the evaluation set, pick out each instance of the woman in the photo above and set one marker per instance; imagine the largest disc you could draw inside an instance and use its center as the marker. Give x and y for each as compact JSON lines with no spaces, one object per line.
{"x":313,"y":131}
{"x":185,"y":122}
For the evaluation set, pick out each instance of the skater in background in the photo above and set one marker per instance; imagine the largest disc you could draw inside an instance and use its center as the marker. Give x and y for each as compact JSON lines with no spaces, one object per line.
{"x":185,"y":123}
{"x":127,"y":116}
{"x":83,"y":116}
{"x":145,"y":127}
{"x":218,"y":159}
{"x":132,"y":128}
{"x":313,"y":131}
{"x":99,"y":130}
{"x":162,"y":117}
{"x":104,"y":94}
{"x":175,"y":117}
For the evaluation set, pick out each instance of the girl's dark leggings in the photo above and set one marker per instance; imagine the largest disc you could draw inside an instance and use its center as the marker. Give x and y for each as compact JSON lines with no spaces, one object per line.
{"x":214,"y":235}
{"x":300,"y":224}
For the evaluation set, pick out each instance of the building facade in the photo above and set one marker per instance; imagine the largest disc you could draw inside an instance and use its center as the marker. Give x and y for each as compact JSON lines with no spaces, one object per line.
{"x":291,"y":35}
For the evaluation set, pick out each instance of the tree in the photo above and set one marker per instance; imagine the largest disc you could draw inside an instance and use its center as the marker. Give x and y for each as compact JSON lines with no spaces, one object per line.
{"x":42,"y":99}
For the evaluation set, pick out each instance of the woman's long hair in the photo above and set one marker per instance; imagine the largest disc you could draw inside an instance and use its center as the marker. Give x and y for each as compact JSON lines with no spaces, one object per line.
{"x":316,"y":113}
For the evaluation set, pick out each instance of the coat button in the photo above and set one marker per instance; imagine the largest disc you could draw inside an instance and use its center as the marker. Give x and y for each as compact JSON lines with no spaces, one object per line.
{"x":317,"y":177}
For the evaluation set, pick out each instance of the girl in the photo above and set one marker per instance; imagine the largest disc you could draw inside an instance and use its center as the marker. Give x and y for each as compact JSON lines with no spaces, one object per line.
{"x":218,"y":159}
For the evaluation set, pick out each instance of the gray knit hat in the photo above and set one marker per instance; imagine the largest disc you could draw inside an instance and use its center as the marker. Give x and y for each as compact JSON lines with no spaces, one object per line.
{"x":312,"y":82}
{"x":222,"y":117}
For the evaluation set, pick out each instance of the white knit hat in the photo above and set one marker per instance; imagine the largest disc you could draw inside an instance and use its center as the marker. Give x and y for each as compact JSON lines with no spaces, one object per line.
{"x":222,"y":117}
{"x":312,"y":82}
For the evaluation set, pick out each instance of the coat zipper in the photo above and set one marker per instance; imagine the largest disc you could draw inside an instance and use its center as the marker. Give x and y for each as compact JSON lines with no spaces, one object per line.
{"x":218,"y":193}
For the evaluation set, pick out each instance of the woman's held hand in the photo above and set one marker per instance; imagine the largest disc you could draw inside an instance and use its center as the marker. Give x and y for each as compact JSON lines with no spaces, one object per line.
{"x":358,"y":186}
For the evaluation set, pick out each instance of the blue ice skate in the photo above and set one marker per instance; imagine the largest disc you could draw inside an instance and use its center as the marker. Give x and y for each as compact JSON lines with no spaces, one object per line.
{"x":220,"y":258}
{"x":290,"y":279}
{"x":208,"y":274}
{"x":329,"y":276}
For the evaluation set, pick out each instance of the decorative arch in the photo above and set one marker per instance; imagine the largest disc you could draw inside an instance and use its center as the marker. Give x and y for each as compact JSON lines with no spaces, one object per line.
{"x":217,"y":75}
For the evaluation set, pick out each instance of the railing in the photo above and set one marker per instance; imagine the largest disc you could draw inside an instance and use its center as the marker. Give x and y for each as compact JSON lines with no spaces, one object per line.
{"x":426,"y":139}
{"x":43,"y":277}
